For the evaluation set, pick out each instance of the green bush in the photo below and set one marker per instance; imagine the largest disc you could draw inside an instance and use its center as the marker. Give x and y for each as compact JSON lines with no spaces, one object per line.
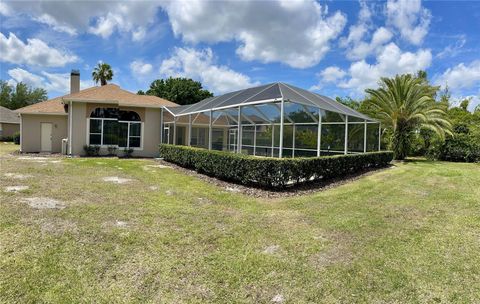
{"x":461,"y":148}
{"x":268,"y":172}
{"x":91,"y":150}
{"x":16,"y":138}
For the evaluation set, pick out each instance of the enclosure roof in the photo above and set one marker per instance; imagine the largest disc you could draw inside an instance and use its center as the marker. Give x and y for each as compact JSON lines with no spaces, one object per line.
{"x":266,"y":93}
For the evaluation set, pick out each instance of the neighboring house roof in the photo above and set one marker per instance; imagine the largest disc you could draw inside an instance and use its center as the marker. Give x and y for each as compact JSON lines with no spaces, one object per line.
{"x":8,"y":116}
{"x":107,"y":93}
{"x":268,"y":93}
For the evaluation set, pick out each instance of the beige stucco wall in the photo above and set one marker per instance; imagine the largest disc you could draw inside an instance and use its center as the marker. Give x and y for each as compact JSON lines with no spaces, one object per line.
{"x":151,"y":132}
{"x":79,"y":127}
{"x":31,"y":131}
{"x":8,"y":129}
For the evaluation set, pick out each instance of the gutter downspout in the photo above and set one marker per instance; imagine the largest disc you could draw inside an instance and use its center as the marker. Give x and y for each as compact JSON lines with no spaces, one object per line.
{"x":21,"y":132}
{"x":70,"y":132}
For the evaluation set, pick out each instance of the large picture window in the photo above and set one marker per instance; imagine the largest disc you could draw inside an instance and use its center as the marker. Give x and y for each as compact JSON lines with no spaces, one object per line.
{"x":113,"y":127}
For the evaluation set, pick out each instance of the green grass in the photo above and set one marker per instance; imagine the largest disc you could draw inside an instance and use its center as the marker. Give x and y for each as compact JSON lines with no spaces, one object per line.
{"x":406,"y":234}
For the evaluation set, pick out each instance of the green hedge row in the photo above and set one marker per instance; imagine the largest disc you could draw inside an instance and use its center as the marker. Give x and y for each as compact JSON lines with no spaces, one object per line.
{"x":269,"y":172}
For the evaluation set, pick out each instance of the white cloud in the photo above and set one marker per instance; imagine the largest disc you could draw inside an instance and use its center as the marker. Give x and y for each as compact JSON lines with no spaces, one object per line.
{"x":455,"y":100}
{"x":72,"y":17}
{"x":140,"y":69}
{"x":55,"y":25}
{"x":409,"y":18}
{"x":332,"y":74}
{"x":356,"y":44}
{"x":33,"y":52}
{"x":453,"y":49}
{"x":461,"y":76}
{"x":297,"y":33}
{"x":200,"y":65}
{"x":59,"y":83}
{"x":5,"y":9}
{"x":362,"y":49}
{"x":389,"y":62}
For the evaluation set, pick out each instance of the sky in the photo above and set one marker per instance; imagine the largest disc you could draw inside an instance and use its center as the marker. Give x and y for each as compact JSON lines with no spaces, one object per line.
{"x":335,"y":48}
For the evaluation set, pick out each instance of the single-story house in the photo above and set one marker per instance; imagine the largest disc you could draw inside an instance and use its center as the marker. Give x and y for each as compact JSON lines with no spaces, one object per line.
{"x":105,"y":116}
{"x":9,"y":123}
{"x":275,"y":120}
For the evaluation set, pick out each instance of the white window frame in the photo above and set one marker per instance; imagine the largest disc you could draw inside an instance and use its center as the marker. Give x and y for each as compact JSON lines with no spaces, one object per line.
{"x":128,"y":134}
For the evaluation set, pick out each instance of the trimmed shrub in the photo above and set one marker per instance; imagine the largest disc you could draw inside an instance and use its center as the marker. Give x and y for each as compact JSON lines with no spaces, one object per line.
{"x":91,"y":150}
{"x":268,"y":172}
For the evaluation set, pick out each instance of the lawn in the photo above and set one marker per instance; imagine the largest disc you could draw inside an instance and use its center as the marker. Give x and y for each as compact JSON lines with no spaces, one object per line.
{"x":410,"y":233}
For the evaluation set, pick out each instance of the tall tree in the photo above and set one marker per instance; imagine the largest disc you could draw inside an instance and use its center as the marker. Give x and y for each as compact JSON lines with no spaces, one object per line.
{"x":20,"y":95}
{"x":182,"y":91}
{"x":349,"y":102}
{"x":102,"y":73}
{"x":404,"y":105}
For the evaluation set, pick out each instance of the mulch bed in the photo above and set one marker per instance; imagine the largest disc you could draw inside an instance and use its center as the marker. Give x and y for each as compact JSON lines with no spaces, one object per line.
{"x":306,"y":188}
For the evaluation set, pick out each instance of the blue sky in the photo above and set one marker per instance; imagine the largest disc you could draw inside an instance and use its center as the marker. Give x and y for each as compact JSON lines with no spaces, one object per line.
{"x":337,"y":48}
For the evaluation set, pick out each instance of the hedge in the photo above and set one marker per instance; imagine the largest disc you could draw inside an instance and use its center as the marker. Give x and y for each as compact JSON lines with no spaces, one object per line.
{"x":269,"y":172}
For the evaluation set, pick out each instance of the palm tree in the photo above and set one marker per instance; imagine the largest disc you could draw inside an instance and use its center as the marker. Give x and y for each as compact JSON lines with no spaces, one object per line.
{"x":405,"y":105}
{"x":101,"y":73}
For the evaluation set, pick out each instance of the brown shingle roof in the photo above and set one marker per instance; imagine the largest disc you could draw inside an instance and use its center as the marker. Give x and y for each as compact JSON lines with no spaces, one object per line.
{"x":52,"y":106}
{"x":112,"y":92}
{"x":109,"y":92}
{"x":8,"y":116}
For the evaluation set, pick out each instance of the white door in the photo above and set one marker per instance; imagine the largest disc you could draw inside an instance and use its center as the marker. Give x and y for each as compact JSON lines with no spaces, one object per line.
{"x":46,"y":136}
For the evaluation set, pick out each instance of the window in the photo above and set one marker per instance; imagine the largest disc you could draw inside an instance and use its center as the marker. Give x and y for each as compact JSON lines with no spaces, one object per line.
{"x":104,"y":113}
{"x":95,"y":131}
{"x":130,"y":134}
{"x":112,"y":127}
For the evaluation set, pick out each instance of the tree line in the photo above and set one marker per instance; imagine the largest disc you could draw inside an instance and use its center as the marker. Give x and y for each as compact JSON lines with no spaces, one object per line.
{"x":420,"y":120}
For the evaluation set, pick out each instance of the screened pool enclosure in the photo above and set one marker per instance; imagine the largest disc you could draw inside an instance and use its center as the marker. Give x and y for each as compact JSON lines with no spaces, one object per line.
{"x":275,"y":120}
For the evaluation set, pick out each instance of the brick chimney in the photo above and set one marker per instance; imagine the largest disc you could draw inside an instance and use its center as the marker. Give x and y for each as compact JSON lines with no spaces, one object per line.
{"x":74,"y":81}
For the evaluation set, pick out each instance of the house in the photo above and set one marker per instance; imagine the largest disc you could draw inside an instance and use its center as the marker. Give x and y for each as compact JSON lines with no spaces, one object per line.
{"x":105,"y":116}
{"x":9,"y":123}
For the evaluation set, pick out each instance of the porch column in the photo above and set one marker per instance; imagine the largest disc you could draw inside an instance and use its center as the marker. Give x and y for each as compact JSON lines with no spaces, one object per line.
{"x":255,"y":140}
{"x":319,"y":132}
{"x":293,"y":140}
{"x":189,"y":130}
{"x":346,"y":135}
{"x":70,"y":124}
{"x":239,"y":130}
{"x":174,"y":130}
{"x":210,"y":132}
{"x":282,"y":106}
{"x":273,"y":137}
{"x":365,"y":138}
{"x":161,"y":126}
{"x":21,"y":132}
